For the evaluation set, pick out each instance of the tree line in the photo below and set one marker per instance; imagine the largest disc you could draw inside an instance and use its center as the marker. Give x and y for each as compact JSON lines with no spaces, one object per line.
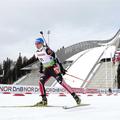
{"x":10,"y":71}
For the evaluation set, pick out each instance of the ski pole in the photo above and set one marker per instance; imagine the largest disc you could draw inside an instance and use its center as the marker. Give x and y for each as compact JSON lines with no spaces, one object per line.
{"x":76,"y":77}
{"x":41,"y":32}
{"x":48,"y":37}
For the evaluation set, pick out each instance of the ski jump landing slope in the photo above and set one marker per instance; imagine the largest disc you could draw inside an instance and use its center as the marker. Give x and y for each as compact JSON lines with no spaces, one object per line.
{"x":84,"y":62}
{"x":101,"y":108}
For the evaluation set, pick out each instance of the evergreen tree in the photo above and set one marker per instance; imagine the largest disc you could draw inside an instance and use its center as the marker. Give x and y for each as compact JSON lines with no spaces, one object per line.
{"x":24,"y":61}
{"x":19,"y":66}
{"x":1,"y":74}
{"x":1,"y":70}
{"x":6,"y":68}
{"x":118,"y":76}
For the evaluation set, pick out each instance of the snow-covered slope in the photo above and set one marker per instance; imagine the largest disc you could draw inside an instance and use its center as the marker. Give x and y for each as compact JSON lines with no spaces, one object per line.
{"x":84,"y":62}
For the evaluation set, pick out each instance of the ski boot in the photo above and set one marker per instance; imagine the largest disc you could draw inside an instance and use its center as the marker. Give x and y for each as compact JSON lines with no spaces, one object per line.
{"x":42,"y":103}
{"x":77,"y":99}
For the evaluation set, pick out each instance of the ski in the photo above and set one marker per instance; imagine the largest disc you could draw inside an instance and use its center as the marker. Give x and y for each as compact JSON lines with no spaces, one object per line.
{"x":75,"y":106}
{"x":60,"y":106}
{"x":20,"y":106}
{"x":16,"y":106}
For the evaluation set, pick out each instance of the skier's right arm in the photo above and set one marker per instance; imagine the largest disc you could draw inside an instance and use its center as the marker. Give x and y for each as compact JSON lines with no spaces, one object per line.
{"x":32,"y":60}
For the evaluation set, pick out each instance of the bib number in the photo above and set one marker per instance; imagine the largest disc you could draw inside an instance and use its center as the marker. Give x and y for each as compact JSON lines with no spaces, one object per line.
{"x":41,"y":59}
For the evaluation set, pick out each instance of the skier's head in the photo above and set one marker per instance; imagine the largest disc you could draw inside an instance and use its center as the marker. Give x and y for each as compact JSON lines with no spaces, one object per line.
{"x":39,"y":42}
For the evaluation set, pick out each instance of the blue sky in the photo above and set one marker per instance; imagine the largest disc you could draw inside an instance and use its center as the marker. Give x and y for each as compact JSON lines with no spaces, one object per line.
{"x":70,"y":21}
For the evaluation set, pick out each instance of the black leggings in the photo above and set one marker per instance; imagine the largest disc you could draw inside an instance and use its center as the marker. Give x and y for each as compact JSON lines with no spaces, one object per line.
{"x":50,"y":72}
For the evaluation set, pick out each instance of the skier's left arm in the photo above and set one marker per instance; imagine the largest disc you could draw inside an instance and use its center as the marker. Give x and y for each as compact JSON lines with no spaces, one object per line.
{"x":52,"y":53}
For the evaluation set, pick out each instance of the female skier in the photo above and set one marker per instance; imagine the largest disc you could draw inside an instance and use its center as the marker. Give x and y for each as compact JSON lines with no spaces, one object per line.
{"x":50,"y":66}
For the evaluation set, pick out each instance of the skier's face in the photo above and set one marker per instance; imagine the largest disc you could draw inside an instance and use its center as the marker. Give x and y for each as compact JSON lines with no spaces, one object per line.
{"x":38,"y":45}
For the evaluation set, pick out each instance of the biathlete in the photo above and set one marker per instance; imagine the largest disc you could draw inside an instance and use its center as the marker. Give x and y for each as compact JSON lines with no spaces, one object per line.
{"x":50,"y":67}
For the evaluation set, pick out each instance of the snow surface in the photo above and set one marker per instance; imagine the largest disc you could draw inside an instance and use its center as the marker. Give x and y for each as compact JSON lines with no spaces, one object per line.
{"x":101,"y":108}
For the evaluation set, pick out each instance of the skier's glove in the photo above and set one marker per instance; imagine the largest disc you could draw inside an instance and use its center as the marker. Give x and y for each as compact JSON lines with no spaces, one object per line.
{"x":40,"y":71}
{"x":63,"y":71}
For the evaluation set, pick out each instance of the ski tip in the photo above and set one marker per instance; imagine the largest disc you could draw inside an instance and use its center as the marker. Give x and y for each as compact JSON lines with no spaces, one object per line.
{"x":69,"y":107}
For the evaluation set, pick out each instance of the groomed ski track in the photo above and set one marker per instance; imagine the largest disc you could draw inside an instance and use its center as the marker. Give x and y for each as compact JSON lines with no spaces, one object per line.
{"x":101,"y":108}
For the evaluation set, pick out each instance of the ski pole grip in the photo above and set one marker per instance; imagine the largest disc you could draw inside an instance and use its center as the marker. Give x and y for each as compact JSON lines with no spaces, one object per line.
{"x":41,"y":32}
